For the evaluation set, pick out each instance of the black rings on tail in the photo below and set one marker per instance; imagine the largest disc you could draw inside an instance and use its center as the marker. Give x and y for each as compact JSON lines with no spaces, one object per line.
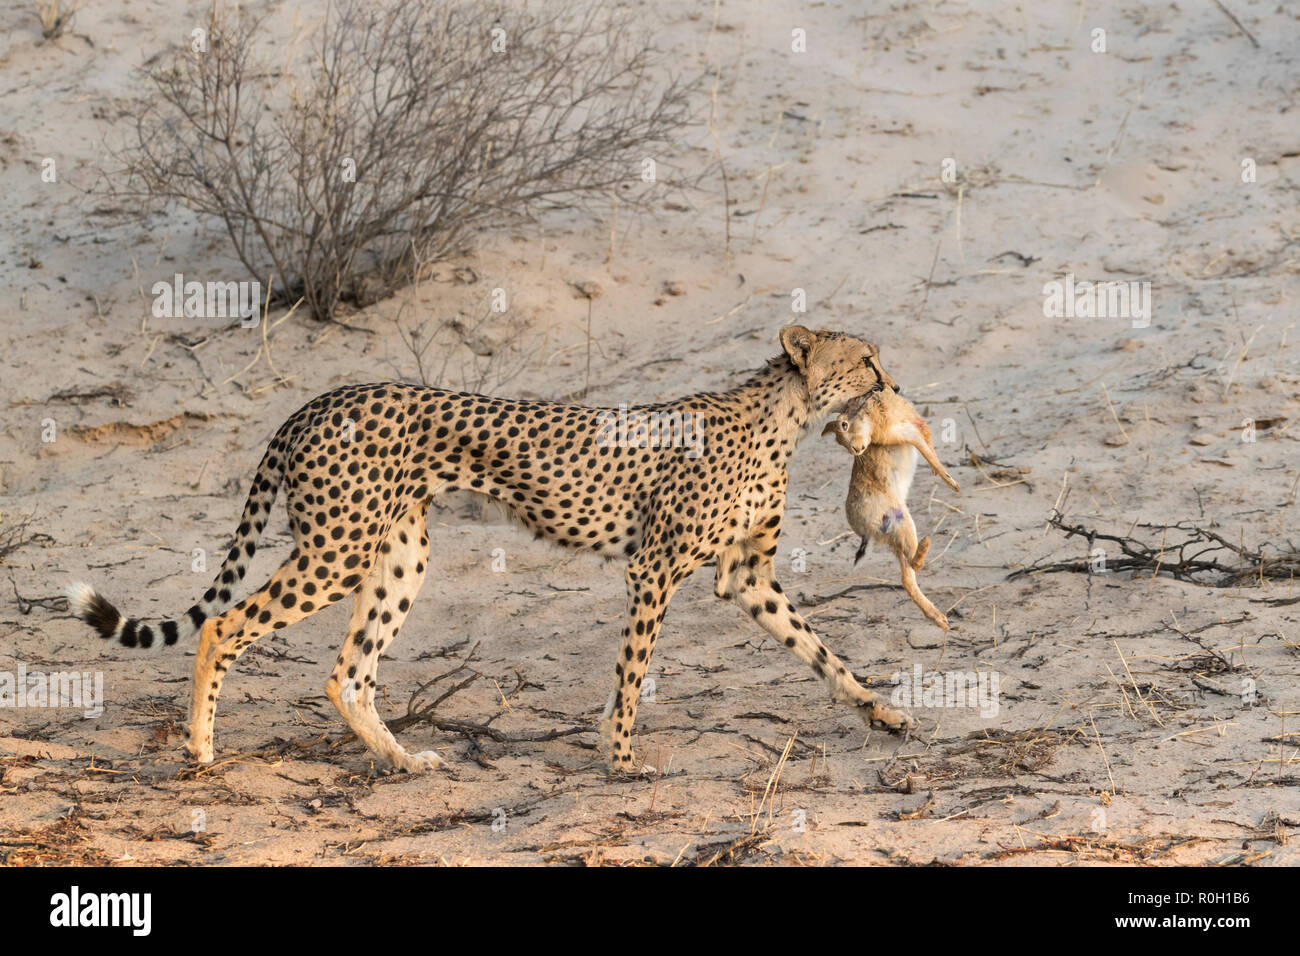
{"x":97,"y":611}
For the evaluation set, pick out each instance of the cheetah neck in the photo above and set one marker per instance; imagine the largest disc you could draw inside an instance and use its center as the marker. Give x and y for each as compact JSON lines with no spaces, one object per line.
{"x":777,"y":396}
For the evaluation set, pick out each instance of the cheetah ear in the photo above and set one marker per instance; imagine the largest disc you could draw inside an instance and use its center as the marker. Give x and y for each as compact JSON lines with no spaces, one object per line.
{"x":798,"y":343}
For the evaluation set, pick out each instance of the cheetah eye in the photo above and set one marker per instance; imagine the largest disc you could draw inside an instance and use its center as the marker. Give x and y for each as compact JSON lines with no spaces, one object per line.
{"x":880,"y":381}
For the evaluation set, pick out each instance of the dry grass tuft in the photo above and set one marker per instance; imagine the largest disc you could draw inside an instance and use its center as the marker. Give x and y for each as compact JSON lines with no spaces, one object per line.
{"x":53,"y":18}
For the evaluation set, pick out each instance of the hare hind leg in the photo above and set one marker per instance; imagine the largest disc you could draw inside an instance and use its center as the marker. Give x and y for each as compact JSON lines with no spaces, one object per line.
{"x":921,"y":601}
{"x":922,"y":549}
{"x":910,"y":558}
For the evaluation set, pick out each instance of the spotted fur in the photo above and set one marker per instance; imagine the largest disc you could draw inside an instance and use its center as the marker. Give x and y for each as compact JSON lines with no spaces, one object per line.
{"x":361,"y":464}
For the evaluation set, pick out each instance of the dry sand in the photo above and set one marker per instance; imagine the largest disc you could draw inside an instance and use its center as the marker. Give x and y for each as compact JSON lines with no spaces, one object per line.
{"x":1125,"y":730}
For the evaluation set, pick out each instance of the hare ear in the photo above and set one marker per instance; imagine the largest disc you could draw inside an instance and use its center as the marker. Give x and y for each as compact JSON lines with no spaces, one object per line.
{"x":798,"y":343}
{"x":829,"y":429}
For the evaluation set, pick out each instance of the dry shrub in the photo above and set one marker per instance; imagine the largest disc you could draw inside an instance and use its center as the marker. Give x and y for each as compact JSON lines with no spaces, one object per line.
{"x":391,"y":132}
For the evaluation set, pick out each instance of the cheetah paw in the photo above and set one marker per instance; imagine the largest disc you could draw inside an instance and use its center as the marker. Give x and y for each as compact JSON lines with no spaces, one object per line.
{"x":422,"y":762}
{"x":202,"y":756}
{"x":876,"y":714}
{"x":632,"y":767}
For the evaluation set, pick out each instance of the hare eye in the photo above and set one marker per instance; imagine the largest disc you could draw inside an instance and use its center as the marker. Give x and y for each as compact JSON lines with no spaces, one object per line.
{"x":844,"y":426}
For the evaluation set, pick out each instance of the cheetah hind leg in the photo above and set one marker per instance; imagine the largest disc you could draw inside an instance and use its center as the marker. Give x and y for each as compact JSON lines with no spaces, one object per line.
{"x":351,"y":685}
{"x":378,"y":611}
{"x":224,"y":638}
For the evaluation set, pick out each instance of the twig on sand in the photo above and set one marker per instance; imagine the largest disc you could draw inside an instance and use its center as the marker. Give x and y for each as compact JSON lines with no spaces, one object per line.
{"x":1102,"y":748}
{"x":427,"y":714}
{"x":722,"y":166}
{"x":1193,"y":559}
{"x":1111,"y":405}
{"x":730,"y":850}
{"x":929,"y":280}
{"x":1240,"y":26}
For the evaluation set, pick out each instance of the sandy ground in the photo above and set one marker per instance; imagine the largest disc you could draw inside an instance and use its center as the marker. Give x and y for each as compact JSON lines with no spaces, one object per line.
{"x":1139,"y":719}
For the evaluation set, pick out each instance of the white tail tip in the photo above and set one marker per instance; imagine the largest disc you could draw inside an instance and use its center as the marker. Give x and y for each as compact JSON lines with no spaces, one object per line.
{"x":80,"y":596}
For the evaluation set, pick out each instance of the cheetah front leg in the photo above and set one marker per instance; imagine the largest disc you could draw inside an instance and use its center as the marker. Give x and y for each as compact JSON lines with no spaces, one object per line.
{"x":745,"y":577}
{"x":651,"y":583}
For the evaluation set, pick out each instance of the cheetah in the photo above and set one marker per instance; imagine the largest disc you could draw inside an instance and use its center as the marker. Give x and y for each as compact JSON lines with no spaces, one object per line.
{"x":883,"y":432}
{"x":361,"y":464}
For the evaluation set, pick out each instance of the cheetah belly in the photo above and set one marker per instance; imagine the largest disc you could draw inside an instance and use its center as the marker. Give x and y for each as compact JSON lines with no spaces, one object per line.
{"x":561,"y":494}
{"x":617,"y":531}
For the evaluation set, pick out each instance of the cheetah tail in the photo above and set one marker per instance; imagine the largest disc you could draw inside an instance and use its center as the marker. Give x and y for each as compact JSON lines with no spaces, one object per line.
{"x":90,"y":606}
{"x":862,"y":549}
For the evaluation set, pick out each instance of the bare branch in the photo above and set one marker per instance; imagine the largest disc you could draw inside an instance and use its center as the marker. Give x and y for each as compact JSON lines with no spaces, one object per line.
{"x":398,"y":130}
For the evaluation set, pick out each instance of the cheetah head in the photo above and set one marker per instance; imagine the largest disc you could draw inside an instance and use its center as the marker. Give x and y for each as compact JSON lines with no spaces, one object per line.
{"x":836,"y":367}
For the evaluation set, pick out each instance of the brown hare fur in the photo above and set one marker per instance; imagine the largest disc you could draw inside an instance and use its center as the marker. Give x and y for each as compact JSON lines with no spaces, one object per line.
{"x":884,"y":433}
